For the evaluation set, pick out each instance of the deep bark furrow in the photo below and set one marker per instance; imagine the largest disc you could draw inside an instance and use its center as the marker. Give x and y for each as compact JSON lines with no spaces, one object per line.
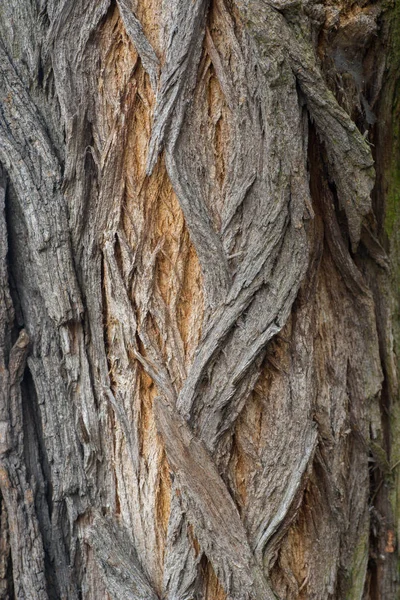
{"x":29,"y":157}
{"x":25,"y":536}
{"x":349,"y":155}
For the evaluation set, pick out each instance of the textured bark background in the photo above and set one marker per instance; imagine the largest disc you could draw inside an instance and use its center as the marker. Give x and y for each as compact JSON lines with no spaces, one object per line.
{"x":199,"y":264}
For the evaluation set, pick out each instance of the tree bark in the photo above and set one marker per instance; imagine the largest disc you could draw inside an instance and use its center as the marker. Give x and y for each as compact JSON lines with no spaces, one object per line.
{"x":199,"y":275}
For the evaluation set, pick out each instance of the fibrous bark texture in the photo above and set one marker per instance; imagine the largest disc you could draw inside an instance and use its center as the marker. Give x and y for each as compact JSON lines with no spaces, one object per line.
{"x":198,"y":396}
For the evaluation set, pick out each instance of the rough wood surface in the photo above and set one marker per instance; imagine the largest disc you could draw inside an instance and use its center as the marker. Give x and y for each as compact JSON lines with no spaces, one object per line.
{"x":198,"y":393}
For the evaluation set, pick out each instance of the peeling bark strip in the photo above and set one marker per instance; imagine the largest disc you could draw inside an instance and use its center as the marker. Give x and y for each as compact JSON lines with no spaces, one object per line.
{"x":197,"y":372}
{"x":210,"y":508}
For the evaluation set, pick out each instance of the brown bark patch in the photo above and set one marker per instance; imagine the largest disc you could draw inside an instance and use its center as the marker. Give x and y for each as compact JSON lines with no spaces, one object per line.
{"x":212,"y":587}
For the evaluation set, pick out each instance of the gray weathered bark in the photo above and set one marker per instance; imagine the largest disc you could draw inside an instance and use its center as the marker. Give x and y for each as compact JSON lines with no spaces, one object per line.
{"x":199,"y":388}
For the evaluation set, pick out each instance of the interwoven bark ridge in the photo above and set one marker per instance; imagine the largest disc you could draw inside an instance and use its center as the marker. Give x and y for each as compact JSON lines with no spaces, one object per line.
{"x":189,"y":253}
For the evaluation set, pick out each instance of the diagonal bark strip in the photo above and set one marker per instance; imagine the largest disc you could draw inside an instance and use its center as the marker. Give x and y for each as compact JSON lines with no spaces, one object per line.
{"x":118,"y":561}
{"x":142,"y":44}
{"x":210,"y":509}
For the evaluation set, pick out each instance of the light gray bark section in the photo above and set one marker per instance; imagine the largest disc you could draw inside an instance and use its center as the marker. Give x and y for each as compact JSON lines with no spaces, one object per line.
{"x":25,"y":536}
{"x":115,"y":552}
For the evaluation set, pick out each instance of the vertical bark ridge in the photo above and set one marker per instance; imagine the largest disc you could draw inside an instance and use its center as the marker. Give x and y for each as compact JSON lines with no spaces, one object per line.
{"x":17,"y":496}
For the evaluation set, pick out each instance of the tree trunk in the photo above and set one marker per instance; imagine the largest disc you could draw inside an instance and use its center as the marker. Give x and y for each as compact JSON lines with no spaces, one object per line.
{"x":199,"y":263}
